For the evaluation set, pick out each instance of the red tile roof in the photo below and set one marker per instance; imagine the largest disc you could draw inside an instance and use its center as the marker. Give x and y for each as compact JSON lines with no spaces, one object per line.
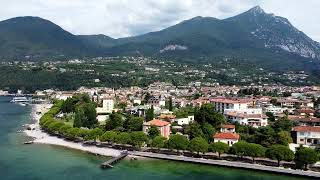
{"x":227,"y":136}
{"x":157,"y":122}
{"x":307,"y":129}
{"x":229,"y":126}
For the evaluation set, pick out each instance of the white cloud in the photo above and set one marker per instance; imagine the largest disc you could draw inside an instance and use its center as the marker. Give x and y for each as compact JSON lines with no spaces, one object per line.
{"x":120,"y":18}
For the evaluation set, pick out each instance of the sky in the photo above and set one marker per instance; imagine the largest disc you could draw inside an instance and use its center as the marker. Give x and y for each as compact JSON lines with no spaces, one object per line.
{"x":122,"y":18}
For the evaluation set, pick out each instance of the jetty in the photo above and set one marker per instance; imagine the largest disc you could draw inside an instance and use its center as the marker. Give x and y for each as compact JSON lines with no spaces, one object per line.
{"x":109,"y":163}
{"x":232,"y":164}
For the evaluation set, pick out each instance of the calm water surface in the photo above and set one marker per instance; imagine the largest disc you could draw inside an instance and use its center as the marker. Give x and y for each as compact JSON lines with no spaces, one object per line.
{"x":37,"y":162}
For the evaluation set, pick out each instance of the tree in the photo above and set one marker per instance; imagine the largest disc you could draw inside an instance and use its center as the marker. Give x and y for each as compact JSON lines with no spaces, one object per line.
{"x":158,"y":142}
{"x":115,"y":121}
{"x":138,"y":138}
{"x":254,"y":150}
{"x":284,"y":138}
{"x":208,"y":130}
{"x":134,"y":123}
{"x":178,"y":142}
{"x":150,"y":114}
{"x":283,"y":124}
{"x":109,"y":136}
{"x":198,"y":145}
{"x":91,"y":115}
{"x":219,"y":147}
{"x":239,"y":148}
{"x":194,"y":130}
{"x":271,"y":117}
{"x":72,"y":133}
{"x":280,"y":153}
{"x":79,"y":117}
{"x":54,"y":126}
{"x":170,"y":107}
{"x":207,"y":114}
{"x":123,"y":138}
{"x":153,"y":132}
{"x":64,"y":129}
{"x":95,"y":133}
{"x":265,"y":136}
{"x":305,"y":156}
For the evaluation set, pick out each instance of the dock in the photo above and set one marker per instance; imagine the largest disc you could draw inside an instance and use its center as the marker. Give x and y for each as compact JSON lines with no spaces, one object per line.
{"x":109,"y":163}
{"x":279,"y":170}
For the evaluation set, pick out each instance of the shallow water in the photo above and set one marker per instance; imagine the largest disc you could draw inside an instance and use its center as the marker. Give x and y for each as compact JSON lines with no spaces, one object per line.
{"x":37,"y":162}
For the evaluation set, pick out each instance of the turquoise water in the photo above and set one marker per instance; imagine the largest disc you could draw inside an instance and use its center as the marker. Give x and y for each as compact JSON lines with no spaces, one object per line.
{"x":37,"y":162}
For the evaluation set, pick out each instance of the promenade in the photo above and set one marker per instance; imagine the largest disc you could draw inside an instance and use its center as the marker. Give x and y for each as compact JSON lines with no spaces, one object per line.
{"x":279,"y":170}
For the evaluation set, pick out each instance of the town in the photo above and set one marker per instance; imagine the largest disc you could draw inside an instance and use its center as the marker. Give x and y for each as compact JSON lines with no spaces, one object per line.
{"x":275,"y":121}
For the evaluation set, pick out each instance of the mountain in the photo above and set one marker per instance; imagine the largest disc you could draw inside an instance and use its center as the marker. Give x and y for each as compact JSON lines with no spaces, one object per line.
{"x":252,"y":37}
{"x":36,"y":37}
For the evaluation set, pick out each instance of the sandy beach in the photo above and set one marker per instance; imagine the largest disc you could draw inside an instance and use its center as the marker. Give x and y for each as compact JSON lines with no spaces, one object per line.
{"x":44,"y":138}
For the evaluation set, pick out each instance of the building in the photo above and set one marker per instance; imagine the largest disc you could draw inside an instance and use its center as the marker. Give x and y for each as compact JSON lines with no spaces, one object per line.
{"x":163,"y":126}
{"x":226,"y":137}
{"x":306,"y":135}
{"x":221,"y":104}
{"x":185,"y":121}
{"x":107,"y":106}
{"x":228,"y":128}
{"x":305,"y":121}
{"x":275,"y":110}
{"x":290,"y":102}
{"x":157,"y":101}
{"x":254,"y":120}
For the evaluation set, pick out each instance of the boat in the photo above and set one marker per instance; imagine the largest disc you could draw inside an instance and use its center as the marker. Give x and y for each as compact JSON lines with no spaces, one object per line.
{"x":20,"y":100}
{"x":22,"y":104}
{"x":28,"y":142}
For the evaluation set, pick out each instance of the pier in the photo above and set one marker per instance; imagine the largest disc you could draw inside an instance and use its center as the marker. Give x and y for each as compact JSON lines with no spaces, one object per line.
{"x":279,"y":170}
{"x":109,"y":163}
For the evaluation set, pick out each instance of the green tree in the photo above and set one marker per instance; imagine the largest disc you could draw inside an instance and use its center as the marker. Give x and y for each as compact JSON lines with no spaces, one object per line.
{"x":134,"y":123}
{"x":80,"y":117}
{"x":91,"y":115}
{"x":194,"y":130}
{"x":283,"y":124}
{"x":280,"y":153}
{"x":255,"y":150}
{"x":64,"y":129}
{"x":138,"y":138}
{"x":239,"y":148}
{"x":207,"y":114}
{"x":109,"y":136}
{"x":284,"y":138}
{"x":150,"y":114}
{"x":208,"y":131}
{"x":72,"y":133}
{"x":123,"y":138}
{"x":115,"y":121}
{"x":178,"y":142}
{"x":158,"y":142}
{"x":153,"y":132}
{"x":170,"y":104}
{"x":305,"y":156}
{"x":271,"y":117}
{"x":95,"y":134}
{"x":198,"y":145}
{"x":219,"y":147}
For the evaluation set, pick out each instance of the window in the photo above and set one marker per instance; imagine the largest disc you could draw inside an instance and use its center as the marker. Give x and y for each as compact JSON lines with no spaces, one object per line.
{"x":301,"y":140}
{"x":301,"y":133}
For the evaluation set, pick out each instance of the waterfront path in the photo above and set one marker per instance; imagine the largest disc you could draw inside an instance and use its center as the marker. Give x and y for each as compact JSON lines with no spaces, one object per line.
{"x":280,"y":170}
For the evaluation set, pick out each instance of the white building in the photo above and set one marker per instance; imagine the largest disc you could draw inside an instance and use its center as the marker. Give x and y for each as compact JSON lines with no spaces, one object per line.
{"x":306,"y":135}
{"x":275,"y":110}
{"x":250,"y":119}
{"x":221,"y":104}
{"x":226,"y":137}
{"x":107,"y":106}
{"x":185,"y":121}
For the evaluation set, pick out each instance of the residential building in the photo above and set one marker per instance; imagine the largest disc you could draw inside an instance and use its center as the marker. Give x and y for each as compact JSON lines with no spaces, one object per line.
{"x":228,"y":128}
{"x":107,"y":106}
{"x":254,"y":120}
{"x":163,"y":126}
{"x":184,"y":121}
{"x":226,"y":137}
{"x":306,"y":135}
{"x":221,"y":104}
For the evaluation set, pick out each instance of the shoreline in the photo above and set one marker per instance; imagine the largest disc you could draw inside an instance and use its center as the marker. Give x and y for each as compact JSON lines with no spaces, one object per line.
{"x":40,"y":137}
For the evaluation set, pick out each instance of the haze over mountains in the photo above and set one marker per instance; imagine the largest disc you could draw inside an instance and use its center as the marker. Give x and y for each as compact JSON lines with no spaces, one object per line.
{"x":253,"y":36}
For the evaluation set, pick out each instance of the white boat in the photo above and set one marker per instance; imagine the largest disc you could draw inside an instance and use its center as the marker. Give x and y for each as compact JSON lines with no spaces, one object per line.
{"x":20,"y":100}
{"x":22,"y":104}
